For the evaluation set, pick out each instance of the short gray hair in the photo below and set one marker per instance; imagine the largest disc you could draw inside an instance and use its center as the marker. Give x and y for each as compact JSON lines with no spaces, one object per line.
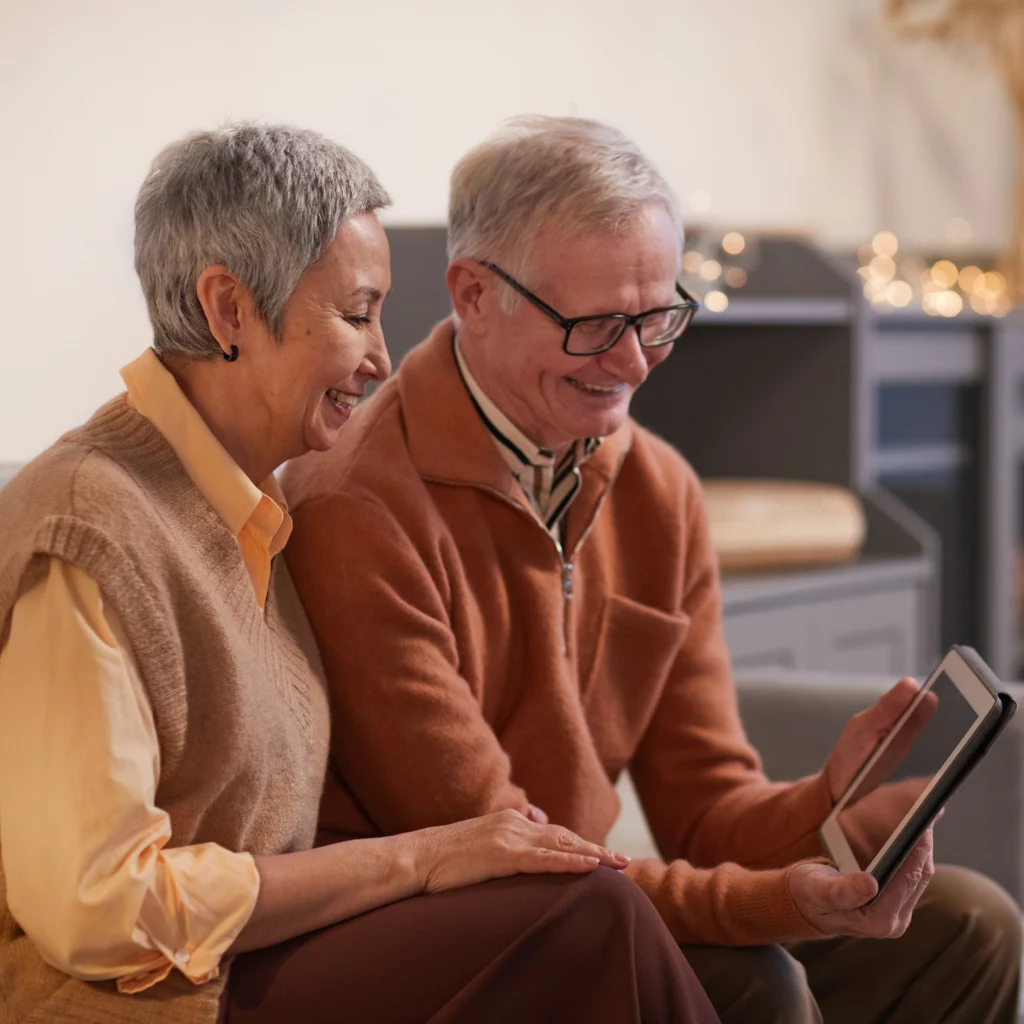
{"x":535,"y":170}
{"x":263,"y":200}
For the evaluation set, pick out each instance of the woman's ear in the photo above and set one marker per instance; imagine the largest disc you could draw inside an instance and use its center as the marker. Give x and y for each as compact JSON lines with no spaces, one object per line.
{"x":226,"y":303}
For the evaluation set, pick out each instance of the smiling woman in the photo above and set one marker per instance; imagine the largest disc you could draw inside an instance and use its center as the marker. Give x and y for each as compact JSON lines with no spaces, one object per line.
{"x":162,"y":764}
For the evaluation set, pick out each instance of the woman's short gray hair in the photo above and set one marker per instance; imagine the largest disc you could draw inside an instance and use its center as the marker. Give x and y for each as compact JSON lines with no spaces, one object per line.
{"x":535,"y":170}
{"x":263,"y":200}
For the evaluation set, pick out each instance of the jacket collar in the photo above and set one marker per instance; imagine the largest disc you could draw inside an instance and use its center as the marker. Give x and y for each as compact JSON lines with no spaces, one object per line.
{"x":447,"y":439}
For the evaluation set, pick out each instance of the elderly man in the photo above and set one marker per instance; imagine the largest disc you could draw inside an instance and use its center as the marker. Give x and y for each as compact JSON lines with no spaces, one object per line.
{"x":538,"y":607}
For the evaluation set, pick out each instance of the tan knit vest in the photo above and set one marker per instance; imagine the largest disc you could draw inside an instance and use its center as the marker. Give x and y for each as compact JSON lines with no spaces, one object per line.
{"x":238,"y":694}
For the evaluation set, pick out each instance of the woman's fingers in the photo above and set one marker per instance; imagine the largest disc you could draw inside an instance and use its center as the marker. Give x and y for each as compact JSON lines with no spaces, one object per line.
{"x":542,"y":860}
{"x":565,"y":840}
{"x":541,"y":841}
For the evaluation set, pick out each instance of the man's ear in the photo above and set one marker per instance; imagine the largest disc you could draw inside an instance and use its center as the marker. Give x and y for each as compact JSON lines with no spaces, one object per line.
{"x":468,"y":285}
{"x":227,"y":304}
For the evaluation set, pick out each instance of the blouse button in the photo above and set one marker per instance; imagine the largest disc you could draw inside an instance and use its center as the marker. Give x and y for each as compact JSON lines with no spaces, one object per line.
{"x":181,"y":956}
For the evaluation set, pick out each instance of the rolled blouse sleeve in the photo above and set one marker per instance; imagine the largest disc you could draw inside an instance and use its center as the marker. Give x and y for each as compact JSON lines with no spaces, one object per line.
{"x":83,"y":844}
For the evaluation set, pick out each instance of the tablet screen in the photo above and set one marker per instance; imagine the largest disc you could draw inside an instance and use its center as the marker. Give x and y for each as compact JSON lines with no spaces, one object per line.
{"x":920,"y":748}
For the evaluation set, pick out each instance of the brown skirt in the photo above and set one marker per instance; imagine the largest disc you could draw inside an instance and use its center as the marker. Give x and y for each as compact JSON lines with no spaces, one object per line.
{"x":537,"y":948}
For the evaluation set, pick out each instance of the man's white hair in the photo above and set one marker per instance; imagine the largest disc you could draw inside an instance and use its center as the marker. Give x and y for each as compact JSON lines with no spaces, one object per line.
{"x":536,"y":170}
{"x":264,"y":200}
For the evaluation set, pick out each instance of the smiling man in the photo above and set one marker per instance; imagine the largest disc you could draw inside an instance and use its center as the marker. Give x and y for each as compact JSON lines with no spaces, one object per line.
{"x":515,"y":598}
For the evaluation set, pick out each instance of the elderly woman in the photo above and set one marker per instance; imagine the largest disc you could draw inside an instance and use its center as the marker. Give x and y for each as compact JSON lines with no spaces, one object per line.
{"x":163,"y":719}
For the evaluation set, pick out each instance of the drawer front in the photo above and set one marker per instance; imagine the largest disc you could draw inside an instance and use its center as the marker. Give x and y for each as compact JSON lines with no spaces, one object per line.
{"x":874,"y":633}
{"x":768,"y":638}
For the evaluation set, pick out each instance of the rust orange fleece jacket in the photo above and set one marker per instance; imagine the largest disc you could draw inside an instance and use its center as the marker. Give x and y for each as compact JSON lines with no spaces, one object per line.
{"x":464,"y":680}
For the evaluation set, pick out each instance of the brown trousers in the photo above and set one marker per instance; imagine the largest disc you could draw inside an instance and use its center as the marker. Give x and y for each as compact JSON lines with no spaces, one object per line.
{"x":957,"y":963}
{"x":531,"y":948}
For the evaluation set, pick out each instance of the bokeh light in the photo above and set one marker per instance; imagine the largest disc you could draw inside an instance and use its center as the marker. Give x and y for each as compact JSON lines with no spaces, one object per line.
{"x":899,"y":294}
{"x":885,"y":243}
{"x":945,"y":273}
{"x":734,"y":243}
{"x":692,"y":261}
{"x":883,"y":266}
{"x":716,"y":301}
{"x":711,"y":270}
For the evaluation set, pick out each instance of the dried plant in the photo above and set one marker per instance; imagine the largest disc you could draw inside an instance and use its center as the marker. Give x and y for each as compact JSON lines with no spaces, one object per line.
{"x":996,"y":29}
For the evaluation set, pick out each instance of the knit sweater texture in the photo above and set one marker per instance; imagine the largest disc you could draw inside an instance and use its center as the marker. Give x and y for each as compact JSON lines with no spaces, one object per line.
{"x":237,"y":693}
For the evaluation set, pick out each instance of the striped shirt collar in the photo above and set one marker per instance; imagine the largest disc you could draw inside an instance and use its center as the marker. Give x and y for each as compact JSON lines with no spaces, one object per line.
{"x":549,"y":486}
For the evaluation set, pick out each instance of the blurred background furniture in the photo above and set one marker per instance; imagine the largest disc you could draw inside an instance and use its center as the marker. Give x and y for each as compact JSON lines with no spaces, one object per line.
{"x":794,"y":719}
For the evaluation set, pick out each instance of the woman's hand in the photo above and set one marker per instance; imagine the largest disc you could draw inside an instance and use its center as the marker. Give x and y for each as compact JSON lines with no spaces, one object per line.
{"x":501,"y":844}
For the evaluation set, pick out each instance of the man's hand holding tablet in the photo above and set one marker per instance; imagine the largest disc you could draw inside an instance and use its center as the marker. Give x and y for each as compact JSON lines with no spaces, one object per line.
{"x":888,"y":790}
{"x":836,"y":903}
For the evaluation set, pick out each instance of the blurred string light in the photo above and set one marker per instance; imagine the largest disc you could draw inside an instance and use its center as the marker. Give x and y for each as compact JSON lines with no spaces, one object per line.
{"x":734,"y":243}
{"x":893,"y":281}
{"x":711,"y":270}
{"x":716,"y":301}
{"x":715,"y":261}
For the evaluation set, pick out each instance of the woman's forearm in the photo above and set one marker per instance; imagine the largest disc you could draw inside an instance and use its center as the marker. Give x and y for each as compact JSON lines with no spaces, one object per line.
{"x":301,"y":892}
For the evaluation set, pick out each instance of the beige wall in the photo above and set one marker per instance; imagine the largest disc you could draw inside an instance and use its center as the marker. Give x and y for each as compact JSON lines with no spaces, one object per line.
{"x":732,"y":96}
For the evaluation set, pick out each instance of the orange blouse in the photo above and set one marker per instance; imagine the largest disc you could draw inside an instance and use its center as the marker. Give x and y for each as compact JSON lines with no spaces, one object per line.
{"x":84,"y":844}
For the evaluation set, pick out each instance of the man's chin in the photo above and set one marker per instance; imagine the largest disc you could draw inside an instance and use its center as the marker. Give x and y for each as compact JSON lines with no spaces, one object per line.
{"x":598,"y":426}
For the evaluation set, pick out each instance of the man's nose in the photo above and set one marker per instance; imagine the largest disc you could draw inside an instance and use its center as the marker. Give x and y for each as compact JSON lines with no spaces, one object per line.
{"x":625,"y":359}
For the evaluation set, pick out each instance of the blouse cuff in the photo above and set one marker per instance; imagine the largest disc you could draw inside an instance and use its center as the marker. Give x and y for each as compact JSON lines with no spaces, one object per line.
{"x":206,"y":898}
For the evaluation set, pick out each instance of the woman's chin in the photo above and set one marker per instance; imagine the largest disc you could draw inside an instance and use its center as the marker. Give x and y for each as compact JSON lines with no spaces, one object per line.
{"x":323,"y":431}
{"x":321,"y":438}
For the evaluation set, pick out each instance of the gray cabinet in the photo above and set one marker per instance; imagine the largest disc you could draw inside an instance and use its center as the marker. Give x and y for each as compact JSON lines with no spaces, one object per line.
{"x":875,"y":631}
{"x":873,"y":616}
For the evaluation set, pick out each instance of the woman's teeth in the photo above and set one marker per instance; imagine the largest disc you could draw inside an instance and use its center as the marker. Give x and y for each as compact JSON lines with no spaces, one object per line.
{"x":601,"y":389}
{"x":340,"y":398}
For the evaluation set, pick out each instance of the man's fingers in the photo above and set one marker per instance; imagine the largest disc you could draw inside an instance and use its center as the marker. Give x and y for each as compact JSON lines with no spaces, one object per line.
{"x":850,"y":892}
{"x":907,"y":885}
{"x":892,"y":703}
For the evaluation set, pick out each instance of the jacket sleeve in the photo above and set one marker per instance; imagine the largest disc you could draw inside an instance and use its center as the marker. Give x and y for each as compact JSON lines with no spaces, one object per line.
{"x":87,"y":872}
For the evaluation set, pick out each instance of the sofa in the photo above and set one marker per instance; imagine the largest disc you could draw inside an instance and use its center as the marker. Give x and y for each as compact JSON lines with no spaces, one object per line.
{"x":794,"y":718}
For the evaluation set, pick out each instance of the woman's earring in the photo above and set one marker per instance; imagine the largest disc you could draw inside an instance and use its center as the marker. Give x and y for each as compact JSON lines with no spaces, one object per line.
{"x":234,"y":354}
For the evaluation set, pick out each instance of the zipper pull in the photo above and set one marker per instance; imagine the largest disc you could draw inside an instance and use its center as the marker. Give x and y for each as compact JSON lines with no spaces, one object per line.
{"x":566,"y":598}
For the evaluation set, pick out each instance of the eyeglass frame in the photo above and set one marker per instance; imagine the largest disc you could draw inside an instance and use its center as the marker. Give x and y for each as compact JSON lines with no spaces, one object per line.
{"x":628,"y":319}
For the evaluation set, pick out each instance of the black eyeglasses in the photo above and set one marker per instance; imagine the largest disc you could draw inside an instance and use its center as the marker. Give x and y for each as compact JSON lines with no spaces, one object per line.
{"x":591,"y":335}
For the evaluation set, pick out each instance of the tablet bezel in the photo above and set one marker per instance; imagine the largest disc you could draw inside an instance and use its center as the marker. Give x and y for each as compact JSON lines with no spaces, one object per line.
{"x":982,"y":701}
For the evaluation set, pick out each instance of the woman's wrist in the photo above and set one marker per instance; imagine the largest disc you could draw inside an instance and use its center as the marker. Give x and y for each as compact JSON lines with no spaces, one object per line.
{"x":405,"y":866}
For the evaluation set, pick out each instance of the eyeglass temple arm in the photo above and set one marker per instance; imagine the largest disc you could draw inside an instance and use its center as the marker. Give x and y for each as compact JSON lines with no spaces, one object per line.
{"x":528,"y":295}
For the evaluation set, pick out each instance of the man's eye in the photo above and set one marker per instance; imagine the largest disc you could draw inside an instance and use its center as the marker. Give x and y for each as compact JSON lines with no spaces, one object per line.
{"x":360,"y":320}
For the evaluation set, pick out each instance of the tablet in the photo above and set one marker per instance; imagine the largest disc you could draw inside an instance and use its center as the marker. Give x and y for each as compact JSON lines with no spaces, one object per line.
{"x":932,"y":747}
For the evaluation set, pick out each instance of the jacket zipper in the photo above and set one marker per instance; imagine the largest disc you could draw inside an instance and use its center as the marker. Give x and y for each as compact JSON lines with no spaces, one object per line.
{"x":566,"y":564}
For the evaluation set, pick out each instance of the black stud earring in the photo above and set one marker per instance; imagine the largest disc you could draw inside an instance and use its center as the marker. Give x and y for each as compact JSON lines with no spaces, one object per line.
{"x":234,"y":354}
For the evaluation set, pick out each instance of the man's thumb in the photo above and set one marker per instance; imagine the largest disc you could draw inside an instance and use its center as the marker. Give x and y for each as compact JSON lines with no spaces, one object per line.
{"x":852,"y":891}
